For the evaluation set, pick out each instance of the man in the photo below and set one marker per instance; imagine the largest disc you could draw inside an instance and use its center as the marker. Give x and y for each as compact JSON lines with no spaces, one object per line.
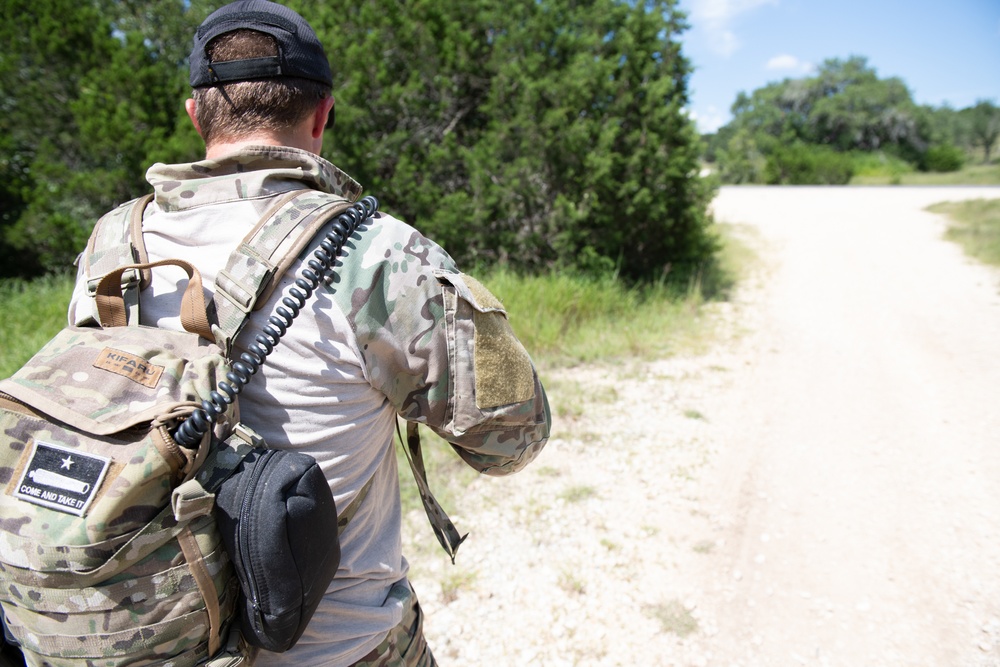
{"x":400,"y":331}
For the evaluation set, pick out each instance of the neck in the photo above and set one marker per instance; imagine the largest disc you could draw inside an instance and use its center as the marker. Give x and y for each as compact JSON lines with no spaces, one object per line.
{"x":294,"y":138}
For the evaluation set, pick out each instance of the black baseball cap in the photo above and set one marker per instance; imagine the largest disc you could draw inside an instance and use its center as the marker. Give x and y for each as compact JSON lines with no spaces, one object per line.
{"x":300,"y":53}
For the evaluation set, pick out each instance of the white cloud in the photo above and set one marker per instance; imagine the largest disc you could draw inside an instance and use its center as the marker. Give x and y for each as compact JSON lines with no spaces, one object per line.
{"x":708,"y":120}
{"x":788,"y":62}
{"x":715,"y":17}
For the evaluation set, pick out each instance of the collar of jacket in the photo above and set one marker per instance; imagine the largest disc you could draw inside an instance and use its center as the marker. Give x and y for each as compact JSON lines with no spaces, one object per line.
{"x":253,"y":172}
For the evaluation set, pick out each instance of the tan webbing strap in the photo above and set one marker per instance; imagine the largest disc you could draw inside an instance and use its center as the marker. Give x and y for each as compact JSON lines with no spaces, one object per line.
{"x":111,"y":304}
{"x":203,"y":579}
{"x":135,"y":238}
{"x":447,"y":535}
{"x":114,"y":242}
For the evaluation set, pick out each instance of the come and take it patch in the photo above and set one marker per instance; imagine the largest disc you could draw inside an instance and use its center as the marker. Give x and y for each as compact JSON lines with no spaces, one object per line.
{"x":61,"y":479}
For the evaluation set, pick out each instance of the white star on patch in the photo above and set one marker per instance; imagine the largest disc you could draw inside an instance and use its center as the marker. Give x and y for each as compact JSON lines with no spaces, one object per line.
{"x":67,"y":463}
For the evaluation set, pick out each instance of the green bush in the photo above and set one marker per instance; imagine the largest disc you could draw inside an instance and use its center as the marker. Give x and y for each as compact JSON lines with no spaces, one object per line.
{"x":943,"y":158}
{"x":800,"y":164}
{"x":879,"y":165}
{"x":543,"y":134}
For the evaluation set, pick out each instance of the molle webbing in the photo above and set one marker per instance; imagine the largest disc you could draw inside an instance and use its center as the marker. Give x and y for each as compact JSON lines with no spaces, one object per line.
{"x":268,"y":250}
{"x":111,"y":246}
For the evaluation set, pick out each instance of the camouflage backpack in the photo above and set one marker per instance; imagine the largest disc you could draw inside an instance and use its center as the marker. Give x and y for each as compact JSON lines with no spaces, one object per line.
{"x":114,"y":440}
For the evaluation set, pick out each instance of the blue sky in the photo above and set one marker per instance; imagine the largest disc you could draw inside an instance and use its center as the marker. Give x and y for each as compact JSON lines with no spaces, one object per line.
{"x":946,"y":51}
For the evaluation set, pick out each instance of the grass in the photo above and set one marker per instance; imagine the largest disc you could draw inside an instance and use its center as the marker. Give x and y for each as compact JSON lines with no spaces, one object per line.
{"x":896,"y":172}
{"x":576,"y":494}
{"x":674,"y":617}
{"x":455,"y":581}
{"x":704,"y":547}
{"x":564,"y":320}
{"x":878,"y":167}
{"x":975,"y":225}
{"x":571,"y":583}
{"x":33,"y":312}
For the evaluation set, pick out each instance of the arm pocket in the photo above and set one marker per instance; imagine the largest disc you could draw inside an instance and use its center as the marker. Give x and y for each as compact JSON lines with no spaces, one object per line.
{"x":492,"y":373}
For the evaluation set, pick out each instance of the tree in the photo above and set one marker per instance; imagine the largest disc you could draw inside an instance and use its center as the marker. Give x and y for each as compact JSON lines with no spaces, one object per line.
{"x":983,"y":126}
{"x":541,"y":133}
{"x":845,"y":106}
{"x":49,"y":46}
{"x":858,"y":111}
{"x":89,"y":91}
{"x":536,"y":133}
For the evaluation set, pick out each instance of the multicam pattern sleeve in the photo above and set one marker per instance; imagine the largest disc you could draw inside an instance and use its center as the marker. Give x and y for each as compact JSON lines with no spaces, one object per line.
{"x":438,"y":344}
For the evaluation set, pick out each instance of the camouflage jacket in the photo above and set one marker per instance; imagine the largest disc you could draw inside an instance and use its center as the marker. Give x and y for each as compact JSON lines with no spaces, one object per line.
{"x":400,"y":330}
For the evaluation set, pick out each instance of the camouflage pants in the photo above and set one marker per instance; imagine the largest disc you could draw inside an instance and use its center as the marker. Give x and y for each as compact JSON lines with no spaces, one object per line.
{"x":405,"y":645}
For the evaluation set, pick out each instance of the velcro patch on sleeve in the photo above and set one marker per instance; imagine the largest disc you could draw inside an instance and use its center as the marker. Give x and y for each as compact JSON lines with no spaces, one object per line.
{"x":504,"y":374}
{"x":482,"y":297}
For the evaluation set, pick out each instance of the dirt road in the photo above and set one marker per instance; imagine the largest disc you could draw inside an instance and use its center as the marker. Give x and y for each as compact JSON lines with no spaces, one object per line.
{"x":822,"y":488}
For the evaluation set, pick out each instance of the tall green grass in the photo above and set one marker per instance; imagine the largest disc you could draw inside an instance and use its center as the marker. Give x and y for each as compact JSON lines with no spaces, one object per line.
{"x":33,"y":311}
{"x":562,"y":319}
{"x":896,"y":172}
{"x":975,"y":225}
{"x":565,"y":319}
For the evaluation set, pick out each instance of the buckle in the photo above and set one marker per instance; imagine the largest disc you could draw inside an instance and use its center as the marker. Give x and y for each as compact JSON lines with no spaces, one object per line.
{"x":130,"y":278}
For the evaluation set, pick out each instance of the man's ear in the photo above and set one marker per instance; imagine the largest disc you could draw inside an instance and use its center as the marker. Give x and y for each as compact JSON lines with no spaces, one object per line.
{"x":322,"y":117}
{"x":191,"y":107}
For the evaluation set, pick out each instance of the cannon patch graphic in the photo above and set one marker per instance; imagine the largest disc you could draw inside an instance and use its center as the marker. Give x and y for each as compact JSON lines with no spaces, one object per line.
{"x":62,"y":479}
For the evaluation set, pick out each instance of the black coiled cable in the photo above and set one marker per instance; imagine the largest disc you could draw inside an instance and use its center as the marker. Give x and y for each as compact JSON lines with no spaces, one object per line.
{"x":194,"y":428}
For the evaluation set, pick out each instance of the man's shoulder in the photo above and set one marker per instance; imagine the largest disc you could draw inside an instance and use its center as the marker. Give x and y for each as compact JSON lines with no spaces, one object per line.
{"x":390,"y":243}
{"x":388,"y":270}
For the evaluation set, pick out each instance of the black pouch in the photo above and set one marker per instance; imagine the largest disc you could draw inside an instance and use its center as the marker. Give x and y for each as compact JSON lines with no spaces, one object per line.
{"x":279,"y":524}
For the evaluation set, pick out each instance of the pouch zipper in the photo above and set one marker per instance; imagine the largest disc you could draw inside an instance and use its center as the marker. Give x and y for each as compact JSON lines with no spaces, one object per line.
{"x":11,"y":403}
{"x":244,"y":537}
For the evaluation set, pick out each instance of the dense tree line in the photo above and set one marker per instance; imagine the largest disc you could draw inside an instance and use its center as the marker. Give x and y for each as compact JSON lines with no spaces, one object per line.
{"x":541,"y":133}
{"x":814,"y":129}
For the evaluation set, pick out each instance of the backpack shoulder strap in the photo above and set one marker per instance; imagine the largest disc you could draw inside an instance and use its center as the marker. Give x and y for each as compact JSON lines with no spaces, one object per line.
{"x":274,"y":243}
{"x":277,"y":240}
{"x":115,"y":241}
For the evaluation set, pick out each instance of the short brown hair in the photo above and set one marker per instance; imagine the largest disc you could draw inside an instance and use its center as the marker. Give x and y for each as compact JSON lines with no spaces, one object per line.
{"x":235,"y":110}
